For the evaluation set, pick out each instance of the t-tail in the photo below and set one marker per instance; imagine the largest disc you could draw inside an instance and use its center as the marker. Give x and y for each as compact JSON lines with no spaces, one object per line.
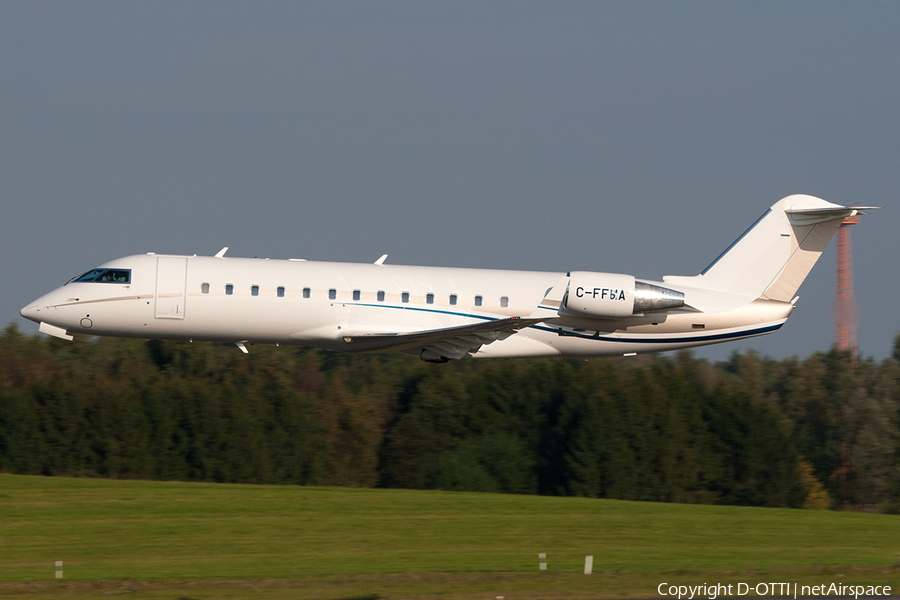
{"x":773,"y":257}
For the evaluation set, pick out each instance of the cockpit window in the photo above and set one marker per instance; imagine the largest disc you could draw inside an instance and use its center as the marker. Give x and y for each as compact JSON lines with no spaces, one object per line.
{"x":104,"y":276}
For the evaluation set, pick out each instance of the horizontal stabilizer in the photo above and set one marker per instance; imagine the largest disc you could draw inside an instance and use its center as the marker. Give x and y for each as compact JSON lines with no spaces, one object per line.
{"x":811,"y":216}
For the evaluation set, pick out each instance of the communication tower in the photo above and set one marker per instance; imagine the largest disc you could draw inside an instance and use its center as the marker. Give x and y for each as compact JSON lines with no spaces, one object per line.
{"x":845,"y":308}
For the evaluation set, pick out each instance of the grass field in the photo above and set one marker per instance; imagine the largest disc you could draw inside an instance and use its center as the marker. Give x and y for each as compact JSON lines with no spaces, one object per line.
{"x":199,"y":541}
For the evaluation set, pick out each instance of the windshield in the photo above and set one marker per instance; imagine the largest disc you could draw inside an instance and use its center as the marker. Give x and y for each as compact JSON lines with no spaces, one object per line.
{"x":104,"y":276}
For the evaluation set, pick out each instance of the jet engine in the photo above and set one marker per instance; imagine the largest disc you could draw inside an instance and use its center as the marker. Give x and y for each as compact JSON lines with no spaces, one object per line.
{"x":614,"y":295}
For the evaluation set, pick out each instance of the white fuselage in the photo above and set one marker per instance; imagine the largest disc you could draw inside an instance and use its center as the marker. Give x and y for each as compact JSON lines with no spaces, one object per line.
{"x":321,"y":303}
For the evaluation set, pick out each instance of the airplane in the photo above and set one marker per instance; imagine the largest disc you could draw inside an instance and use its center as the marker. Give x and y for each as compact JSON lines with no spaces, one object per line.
{"x":441,"y":314}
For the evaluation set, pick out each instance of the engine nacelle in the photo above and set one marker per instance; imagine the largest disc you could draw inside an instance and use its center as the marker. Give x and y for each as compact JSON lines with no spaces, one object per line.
{"x":614,"y":296}
{"x":609,"y":295}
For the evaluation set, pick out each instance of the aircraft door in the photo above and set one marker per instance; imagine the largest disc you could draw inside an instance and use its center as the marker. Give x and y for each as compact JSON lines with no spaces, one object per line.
{"x":171,"y":281}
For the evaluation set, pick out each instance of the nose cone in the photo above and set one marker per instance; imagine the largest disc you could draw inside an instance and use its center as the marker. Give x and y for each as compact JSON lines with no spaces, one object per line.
{"x":32,"y":312}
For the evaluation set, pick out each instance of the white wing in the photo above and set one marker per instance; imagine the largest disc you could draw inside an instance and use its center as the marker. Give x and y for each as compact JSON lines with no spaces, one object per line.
{"x":440,"y":345}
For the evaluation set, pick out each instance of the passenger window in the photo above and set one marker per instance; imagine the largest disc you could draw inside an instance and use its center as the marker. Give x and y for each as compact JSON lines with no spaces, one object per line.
{"x":478,"y":300}
{"x":204,"y":288}
{"x":356,"y":294}
{"x":404,"y":297}
{"x":306,"y":292}
{"x":332,"y":294}
{"x":229,"y":289}
{"x":429,"y":298}
{"x":381,"y":295}
{"x":452,"y":299}
{"x":504,"y":301}
{"x":254,"y":290}
{"x":280,"y":292}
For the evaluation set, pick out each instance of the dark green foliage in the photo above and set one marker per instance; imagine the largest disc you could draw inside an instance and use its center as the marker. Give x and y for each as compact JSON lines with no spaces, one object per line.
{"x":660,"y":428}
{"x":160,"y":410}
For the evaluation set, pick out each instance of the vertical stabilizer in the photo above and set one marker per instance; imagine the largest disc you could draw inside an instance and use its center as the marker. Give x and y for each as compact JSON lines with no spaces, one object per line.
{"x":773,"y":257}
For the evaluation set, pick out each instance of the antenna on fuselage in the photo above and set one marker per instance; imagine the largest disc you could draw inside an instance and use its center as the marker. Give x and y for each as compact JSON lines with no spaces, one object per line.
{"x":380,"y":261}
{"x":221,"y":253}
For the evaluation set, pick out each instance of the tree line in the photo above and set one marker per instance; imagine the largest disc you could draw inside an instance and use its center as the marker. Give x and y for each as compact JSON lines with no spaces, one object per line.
{"x":750,"y":430}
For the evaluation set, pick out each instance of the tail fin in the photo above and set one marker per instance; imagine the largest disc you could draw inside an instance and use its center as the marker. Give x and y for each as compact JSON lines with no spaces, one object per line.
{"x":773,"y":257}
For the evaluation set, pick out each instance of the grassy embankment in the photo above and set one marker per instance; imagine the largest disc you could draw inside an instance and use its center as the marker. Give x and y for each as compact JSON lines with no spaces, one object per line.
{"x":183,"y":540}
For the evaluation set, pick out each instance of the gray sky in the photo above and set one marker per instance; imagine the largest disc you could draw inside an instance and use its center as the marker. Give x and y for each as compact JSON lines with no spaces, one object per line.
{"x":618,"y":136}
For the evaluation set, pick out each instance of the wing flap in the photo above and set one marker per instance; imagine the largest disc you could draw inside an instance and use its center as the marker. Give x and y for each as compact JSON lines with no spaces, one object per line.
{"x":450,"y":342}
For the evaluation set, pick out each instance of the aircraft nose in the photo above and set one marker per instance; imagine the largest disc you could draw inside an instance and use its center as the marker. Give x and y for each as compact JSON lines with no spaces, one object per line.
{"x":32,"y":312}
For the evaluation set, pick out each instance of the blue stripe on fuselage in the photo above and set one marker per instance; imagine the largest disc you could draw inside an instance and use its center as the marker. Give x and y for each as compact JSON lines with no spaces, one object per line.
{"x":699,"y":338}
